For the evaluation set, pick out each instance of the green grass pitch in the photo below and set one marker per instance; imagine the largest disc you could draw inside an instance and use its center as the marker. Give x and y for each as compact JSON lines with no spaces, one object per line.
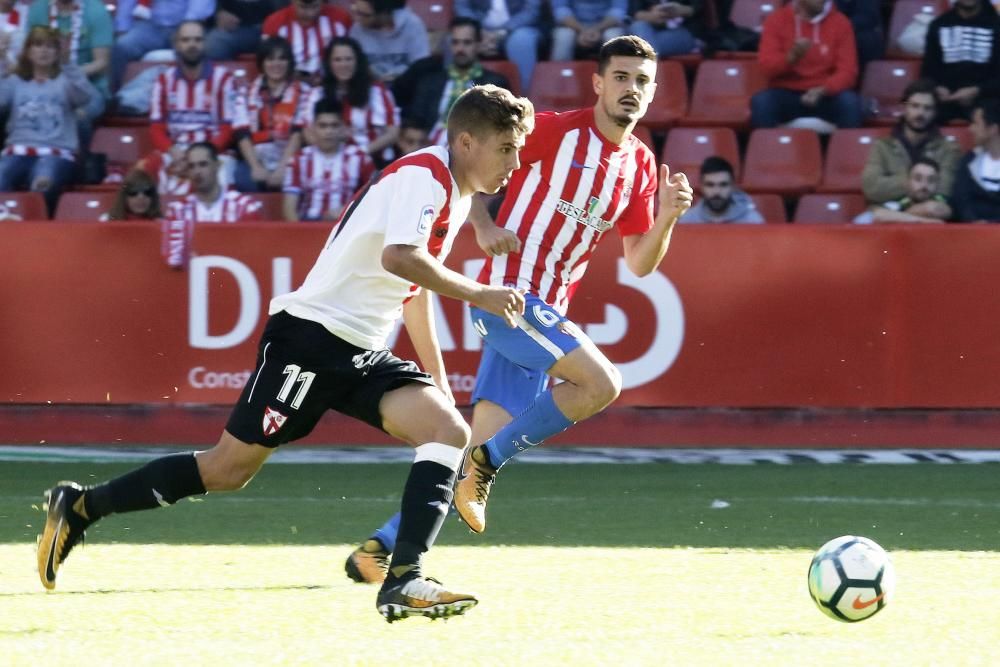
{"x":580,"y":565}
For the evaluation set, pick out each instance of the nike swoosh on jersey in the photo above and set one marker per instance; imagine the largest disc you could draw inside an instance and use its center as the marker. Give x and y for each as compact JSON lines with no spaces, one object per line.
{"x":579,"y":165}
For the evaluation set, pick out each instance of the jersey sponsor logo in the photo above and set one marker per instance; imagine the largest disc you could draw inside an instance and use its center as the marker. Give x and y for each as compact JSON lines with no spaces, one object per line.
{"x":584,"y":217}
{"x":273,"y":421}
{"x":426,"y":220}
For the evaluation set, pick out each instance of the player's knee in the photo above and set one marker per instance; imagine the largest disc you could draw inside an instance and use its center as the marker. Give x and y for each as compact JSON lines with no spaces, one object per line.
{"x":453,"y":431}
{"x":219,"y":475}
{"x":607,"y":386}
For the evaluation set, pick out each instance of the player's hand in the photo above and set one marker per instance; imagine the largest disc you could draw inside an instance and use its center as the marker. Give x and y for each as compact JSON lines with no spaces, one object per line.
{"x":505,"y":302}
{"x":497,"y":241}
{"x":676,"y":193}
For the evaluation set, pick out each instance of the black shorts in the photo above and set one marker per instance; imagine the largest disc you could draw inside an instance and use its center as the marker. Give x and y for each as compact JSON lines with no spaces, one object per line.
{"x":303,"y":370}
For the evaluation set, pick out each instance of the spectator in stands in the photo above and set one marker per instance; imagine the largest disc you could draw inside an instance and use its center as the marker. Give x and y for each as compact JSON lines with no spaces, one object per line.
{"x":323,"y":177}
{"x":370,"y":111}
{"x":308,"y":25}
{"x":191,"y":102}
{"x":511,"y":29}
{"x":268,"y":118}
{"x":807,"y":51}
{"x":142,"y":26}
{"x":209,"y":200}
{"x":582,"y":26}
{"x":13,"y":27}
{"x":238,"y":27}
{"x":392,"y":36}
{"x":921,"y":203}
{"x":87,"y":35}
{"x":137,"y":199}
{"x":962,"y":56}
{"x":41,"y":96}
{"x":721,"y":201}
{"x":977,"y":184}
{"x":412,"y":137}
{"x":439,"y":87}
{"x":886,"y":172}
{"x":671,"y":27}
{"x":866,"y":19}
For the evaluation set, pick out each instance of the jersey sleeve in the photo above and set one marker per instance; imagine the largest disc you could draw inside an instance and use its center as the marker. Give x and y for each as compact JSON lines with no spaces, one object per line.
{"x":293,"y":176}
{"x":417,"y":201}
{"x":542,"y":139}
{"x":638,"y":215}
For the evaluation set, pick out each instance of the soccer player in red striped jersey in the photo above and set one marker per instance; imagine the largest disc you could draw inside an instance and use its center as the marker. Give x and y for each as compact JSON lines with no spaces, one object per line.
{"x":325,"y":348}
{"x":582,"y":173}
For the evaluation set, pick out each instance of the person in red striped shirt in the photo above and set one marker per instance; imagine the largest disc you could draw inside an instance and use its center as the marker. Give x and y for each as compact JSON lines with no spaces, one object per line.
{"x":309,"y":25}
{"x":582,"y":174}
{"x":209,"y":200}
{"x":323,"y":177}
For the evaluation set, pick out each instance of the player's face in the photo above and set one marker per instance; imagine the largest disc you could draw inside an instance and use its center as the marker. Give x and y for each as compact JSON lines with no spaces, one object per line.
{"x":202,"y":170}
{"x":329,"y":131}
{"x":626,"y":88}
{"x":277,"y":66}
{"x":343,"y":62}
{"x":918,"y":111}
{"x":411,"y":139}
{"x":306,"y":11}
{"x":493,"y":159}
{"x":717,"y":189}
{"x":463,"y":46}
{"x":923,"y":182}
{"x":189,"y":43}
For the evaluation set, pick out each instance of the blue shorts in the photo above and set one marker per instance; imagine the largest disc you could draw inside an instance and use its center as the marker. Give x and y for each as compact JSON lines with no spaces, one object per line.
{"x":512,"y":370}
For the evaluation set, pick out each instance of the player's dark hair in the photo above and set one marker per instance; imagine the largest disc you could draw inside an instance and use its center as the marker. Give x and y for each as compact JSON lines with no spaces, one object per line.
{"x":920,"y":87}
{"x":359,"y":85}
{"x":205,"y":145}
{"x":990,"y":109}
{"x":629,"y":46}
{"x":490,"y":109}
{"x":328,"y":105}
{"x":276,"y":46}
{"x":715,"y":164}
{"x":930,"y":162}
{"x":467,"y":22}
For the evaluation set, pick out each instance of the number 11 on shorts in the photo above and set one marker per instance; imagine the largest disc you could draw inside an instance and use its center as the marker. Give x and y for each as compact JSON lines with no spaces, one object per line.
{"x":294,"y":373}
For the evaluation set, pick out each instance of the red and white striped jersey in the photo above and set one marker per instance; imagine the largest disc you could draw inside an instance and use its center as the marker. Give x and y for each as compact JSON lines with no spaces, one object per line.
{"x":308,"y":42}
{"x":231,"y":206}
{"x":367,"y":122}
{"x":183,"y":112}
{"x":573,"y":185}
{"x":326,"y":181}
{"x":157,"y":164}
{"x":415,"y":202}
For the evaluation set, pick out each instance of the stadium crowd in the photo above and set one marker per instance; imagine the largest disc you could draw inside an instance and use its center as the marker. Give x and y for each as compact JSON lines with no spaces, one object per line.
{"x":194,"y":111}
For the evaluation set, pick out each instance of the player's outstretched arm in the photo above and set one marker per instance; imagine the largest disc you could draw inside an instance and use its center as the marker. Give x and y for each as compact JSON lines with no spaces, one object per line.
{"x":418,"y":316}
{"x":415,"y":264}
{"x":644,"y":252}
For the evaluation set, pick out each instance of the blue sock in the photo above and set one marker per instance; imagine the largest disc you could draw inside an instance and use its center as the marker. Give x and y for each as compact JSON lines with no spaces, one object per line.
{"x":387,"y":533}
{"x":539,"y":422}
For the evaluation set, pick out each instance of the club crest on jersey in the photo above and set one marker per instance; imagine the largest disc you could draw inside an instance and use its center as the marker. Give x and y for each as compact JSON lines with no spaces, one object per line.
{"x":426,"y":220}
{"x":273,"y":421}
{"x":587,"y":217}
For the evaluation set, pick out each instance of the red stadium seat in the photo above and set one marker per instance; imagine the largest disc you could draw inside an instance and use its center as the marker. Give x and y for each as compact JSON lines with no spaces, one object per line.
{"x":721,"y":93}
{"x":687,"y":147}
{"x":902,"y":15}
{"x":771,"y":207}
{"x":782,"y":160}
{"x":436,"y":14}
{"x":846,"y":155}
{"x":826,"y":208}
{"x":122,"y":146}
{"x":242,"y":70}
{"x":960,"y":134}
{"x":885,"y":81}
{"x":16,"y":206}
{"x":670,"y":102}
{"x":751,"y":13}
{"x":561,"y":86}
{"x":509,"y":70}
{"x":271,"y":209}
{"x":643,"y":134}
{"x":83,"y":205}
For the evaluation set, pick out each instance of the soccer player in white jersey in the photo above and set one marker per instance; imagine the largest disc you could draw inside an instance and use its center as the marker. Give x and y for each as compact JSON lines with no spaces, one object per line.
{"x":324,"y":347}
{"x":582,"y":173}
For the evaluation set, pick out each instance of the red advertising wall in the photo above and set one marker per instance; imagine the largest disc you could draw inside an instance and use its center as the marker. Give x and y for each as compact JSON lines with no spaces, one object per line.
{"x":812,"y":316}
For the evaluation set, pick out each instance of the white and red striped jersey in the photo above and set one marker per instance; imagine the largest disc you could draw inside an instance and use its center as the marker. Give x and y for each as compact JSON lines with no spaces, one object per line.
{"x":365,"y":123}
{"x":326,"y":181}
{"x":157,"y":165}
{"x":308,"y":42}
{"x":415,"y":202}
{"x":231,"y":206}
{"x":573,"y":185}
{"x":183,"y":112}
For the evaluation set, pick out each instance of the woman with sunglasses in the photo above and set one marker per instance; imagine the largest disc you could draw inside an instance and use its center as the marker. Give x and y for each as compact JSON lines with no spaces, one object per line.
{"x":137,"y":199}
{"x":42,"y":95}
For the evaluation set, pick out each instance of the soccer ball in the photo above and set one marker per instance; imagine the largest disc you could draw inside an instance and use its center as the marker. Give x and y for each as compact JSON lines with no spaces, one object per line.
{"x":851,"y":578}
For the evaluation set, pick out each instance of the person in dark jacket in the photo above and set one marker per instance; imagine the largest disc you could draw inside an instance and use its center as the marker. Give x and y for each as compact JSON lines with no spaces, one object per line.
{"x":976,"y":195}
{"x":866,"y":19}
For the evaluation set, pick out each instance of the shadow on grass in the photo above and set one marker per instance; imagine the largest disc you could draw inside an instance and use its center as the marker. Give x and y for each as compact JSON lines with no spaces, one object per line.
{"x":202,"y":589}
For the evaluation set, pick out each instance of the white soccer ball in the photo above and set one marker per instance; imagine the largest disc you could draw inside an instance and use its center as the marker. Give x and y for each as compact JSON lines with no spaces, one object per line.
{"x":851,"y":578}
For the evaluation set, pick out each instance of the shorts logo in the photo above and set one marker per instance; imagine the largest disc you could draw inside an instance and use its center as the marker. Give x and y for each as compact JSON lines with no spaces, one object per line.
{"x":273,"y":421}
{"x":426,"y":220}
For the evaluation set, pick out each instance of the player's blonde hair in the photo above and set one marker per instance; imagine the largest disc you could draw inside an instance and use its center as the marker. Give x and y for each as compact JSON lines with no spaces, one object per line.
{"x":490,"y":109}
